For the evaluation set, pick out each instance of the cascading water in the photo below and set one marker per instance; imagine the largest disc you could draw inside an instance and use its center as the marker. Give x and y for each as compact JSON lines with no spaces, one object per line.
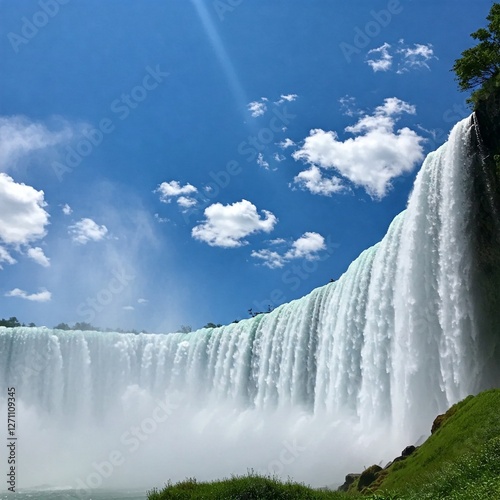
{"x":342,"y":378}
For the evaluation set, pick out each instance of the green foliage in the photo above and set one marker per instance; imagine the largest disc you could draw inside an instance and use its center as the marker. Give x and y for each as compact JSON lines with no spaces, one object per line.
{"x":62,"y":326}
{"x":12,"y":322}
{"x":212,"y":325}
{"x":467,"y":427}
{"x":250,"y":487}
{"x":479,"y":67}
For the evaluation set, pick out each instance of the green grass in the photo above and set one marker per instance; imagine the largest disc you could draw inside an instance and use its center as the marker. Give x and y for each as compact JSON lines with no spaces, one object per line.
{"x":460,"y":461}
{"x":250,"y":487}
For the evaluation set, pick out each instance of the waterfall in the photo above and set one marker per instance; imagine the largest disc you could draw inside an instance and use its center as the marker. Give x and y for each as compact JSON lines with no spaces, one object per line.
{"x":337,"y":380}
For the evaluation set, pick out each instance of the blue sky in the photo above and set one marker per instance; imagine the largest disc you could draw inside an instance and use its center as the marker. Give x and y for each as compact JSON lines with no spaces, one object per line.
{"x":177,"y":163}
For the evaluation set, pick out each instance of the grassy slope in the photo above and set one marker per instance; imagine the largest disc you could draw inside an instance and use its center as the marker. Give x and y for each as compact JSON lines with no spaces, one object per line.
{"x":461,"y":461}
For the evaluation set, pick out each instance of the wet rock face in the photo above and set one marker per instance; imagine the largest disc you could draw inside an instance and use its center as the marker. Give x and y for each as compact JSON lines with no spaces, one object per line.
{"x":368,"y":476}
{"x":484,"y":228}
{"x":349,"y":479}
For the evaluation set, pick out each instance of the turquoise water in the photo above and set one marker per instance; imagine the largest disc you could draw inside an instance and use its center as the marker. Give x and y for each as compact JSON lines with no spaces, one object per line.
{"x":72,"y":495}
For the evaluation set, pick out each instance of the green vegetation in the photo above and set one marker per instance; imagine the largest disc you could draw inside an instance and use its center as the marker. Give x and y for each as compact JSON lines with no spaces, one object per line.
{"x":479,"y":67}
{"x":459,"y":461}
{"x":250,"y":487}
{"x":13,"y":322}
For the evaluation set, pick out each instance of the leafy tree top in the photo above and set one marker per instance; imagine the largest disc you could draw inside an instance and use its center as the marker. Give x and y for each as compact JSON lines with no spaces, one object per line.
{"x":479,"y":67}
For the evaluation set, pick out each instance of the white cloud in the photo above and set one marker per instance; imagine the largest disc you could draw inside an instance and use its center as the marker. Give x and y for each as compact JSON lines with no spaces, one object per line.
{"x":186,"y":202}
{"x":279,"y":158}
{"x":36,"y":253}
{"x":348,"y":105}
{"x":306,"y":247}
{"x":42,"y":296}
{"x":161,"y":219}
{"x":228,"y":225}
{"x":6,"y":257}
{"x":286,"y":98}
{"x":21,"y":138}
{"x":22,"y":215}
{"x":416,"y":56}
{"x":172,"y":189}
{"x":67,"y":210}
{"x":261,"y":162}
{"x":270,"y":258}
{"x":314,"y":181}
{"x":287,"y":143}
{"x":86,"y":230}
{"x":142,"y":301}
{"x":128,"y":308}
{"x":381,"y":59}
{"x":377,"y":154}
{"x":404,"y":57}
{"x":257,"y":108}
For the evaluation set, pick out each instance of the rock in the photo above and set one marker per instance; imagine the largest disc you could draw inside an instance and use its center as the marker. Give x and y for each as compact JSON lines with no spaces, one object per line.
{"x":349,"y":479}
{"x":368,"y":476}
{"x":438,"y":421}
{"x":408,"y":451}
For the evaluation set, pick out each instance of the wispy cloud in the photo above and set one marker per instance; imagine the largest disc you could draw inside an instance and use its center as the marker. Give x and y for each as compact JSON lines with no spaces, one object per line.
{"x":402,"y":58}
{"x":23,"y":139}
{"x":381,"y":59}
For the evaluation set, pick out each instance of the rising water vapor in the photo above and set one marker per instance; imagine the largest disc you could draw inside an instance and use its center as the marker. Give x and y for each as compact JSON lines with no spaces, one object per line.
{"x":327,"y":384}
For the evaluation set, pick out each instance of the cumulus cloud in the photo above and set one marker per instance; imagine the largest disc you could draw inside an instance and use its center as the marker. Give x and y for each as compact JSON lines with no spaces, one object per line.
{"x":42,"y":296}
{"x":381,"y":59}
{"x":279,"y":158}
{"x":22,"y":214}
{"x":142,"y":301}
{"x":128,"y":308}
{"x":186,"y":202}
{"x":67,"y":210}
{"x":286,"y":98}
{"x":371,"y":159}
{"x":257,"y":108}
{"x":287,"y":143}
{"x":86,"y":230}
{"x":228,"y":225}
{"x":36,"y":254}
{"x":306,"y":247}
{"x":316,"y":182}
{"x":21,"y":137}
{"x":173,"y":189}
